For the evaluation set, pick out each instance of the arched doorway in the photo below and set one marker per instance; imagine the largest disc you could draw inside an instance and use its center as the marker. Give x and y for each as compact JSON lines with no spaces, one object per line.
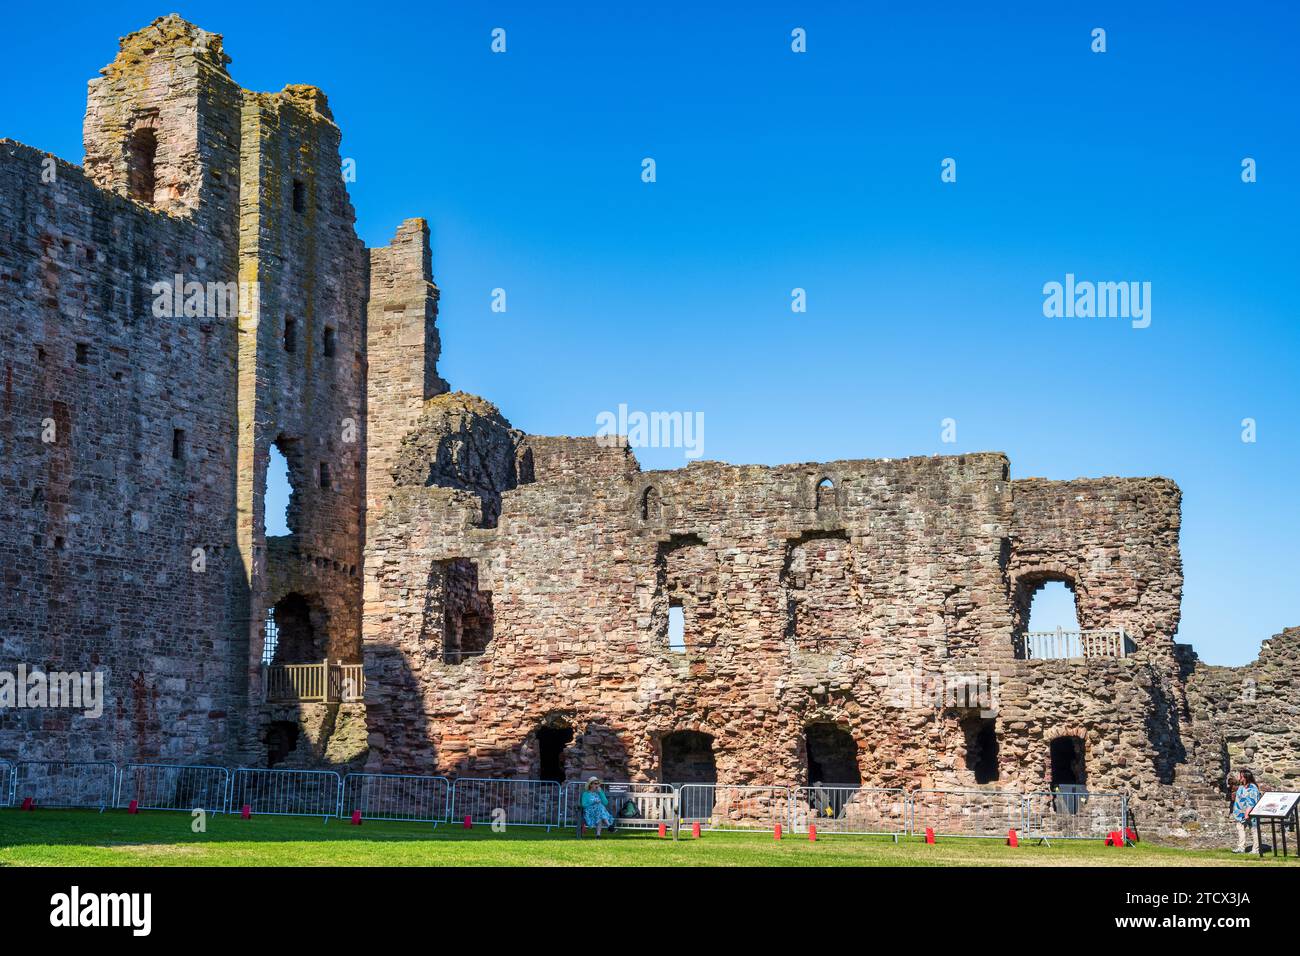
{"x":687,"y":757}
{"x":832,"y":756}
{"x":553,"y":738}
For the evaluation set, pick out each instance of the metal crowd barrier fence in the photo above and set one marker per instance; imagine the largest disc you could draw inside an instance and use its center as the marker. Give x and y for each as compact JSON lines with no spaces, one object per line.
{"x":88,"y":784}
{"x":634,"y":806}
{"x":967,"y":813}
{"x":156,"y":786}
{"x":1074,"y":816}
{"x":286,"y":793}
{"x":390,"y":796}
{"x":7,"y":776}
{"x":522,"y":803}
{"x":729,"y":807}
{"x":861,"y":810}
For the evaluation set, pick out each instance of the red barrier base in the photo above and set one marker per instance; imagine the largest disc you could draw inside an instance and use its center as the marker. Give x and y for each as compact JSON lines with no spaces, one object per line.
{"x":1131,"y":835}
{"x":695,"y":830}
{"x":356,"y":818}
{"x":469,"y":822}
{"x":246,"y":812}
{"x":1012,"y":839}
{"x":134,"y":807}
{"x":812,"y":833}
{"x":776,"y":831}
{"x":663,"y":829}
{"x":29,"y":803}
{"x":929,"y":835}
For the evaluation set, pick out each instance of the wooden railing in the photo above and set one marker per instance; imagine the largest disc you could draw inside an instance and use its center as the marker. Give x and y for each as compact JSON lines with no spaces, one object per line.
{"x":1061,"y":644}
{"x":314,"y":683}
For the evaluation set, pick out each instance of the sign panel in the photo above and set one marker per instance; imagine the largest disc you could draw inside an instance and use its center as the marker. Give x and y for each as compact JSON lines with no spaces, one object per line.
{"x":1275,"y":805}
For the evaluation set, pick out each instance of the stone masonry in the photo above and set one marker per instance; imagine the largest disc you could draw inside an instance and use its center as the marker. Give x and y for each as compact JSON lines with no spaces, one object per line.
{"x":510,"y":595}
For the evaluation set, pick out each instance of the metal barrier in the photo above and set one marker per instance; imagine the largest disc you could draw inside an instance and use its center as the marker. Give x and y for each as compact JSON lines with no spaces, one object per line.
{"x":526,"y":803}
{"x":634,"y":806}
{"x":1074,"y":816}
{"x":7,"y":777}
{"x":87,"y":784}
{"x":863,"y":810}
{"x":388,"y":796}
{"x":286,"y":793}
{"x":967,"y":813}
{"x":156,"y":786}
{"x":728,"y":807}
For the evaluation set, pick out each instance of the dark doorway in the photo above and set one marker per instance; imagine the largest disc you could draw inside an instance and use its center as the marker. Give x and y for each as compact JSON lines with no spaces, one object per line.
{"x":295,"y":635}
{"x":1068,"y":768}
{"x":551,"y":742}
{"x":981,"y":748}
{"x":688,"y":758}
{"x":832,"y":756}
{"x":281,"y":741}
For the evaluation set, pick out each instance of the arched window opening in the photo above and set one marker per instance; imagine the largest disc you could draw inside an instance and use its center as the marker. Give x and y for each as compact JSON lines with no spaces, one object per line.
{"x":651,"y":507}
{"x":1053,"y":606}
{"x":825,"y":494}
{"x":1045,"y":621}
{"x":551,"y":743}
{"x":279,"y":492}
{"x":281,"y":741}
{"x":823,"y":602}
{"x":981,"y":748}
{"x":832,"y":756}
{"x":141,"y":159}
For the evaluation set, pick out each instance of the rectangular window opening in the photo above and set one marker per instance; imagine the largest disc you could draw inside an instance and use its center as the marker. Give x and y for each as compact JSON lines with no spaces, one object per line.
{"x":676,"y":629}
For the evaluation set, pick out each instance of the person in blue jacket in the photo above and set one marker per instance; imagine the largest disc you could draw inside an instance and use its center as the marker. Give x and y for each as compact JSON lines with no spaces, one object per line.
{"x":1243,"y":801}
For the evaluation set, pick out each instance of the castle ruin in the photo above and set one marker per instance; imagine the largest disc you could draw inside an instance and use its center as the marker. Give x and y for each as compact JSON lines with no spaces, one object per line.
{"x":458,"y":597}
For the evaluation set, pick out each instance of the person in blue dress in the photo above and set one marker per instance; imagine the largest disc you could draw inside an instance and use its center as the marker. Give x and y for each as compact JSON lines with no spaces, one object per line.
{"x":1243,"y":801}
{"x":595,"y":807}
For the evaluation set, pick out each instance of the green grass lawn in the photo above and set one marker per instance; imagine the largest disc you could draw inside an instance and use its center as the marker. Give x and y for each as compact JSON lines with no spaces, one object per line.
{"x":115,"y":838}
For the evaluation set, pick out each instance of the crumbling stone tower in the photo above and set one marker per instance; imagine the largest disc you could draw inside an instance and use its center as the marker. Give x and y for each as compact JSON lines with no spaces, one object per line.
{"x":142,"y":548}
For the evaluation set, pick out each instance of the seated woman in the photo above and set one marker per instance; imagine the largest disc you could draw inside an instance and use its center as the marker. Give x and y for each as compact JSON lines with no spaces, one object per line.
{"x":595,"y":806}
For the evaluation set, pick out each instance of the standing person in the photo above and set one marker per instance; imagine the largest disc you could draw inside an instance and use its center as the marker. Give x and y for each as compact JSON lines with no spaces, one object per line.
{"x":595,"y":806}
{"x":1243,"y":801}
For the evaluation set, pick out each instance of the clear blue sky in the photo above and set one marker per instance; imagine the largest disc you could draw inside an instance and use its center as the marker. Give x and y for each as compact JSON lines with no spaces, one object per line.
{"x":821,"y":171}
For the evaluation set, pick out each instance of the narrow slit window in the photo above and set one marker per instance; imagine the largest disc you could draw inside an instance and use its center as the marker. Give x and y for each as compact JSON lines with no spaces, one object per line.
{"x":83,"y":353}
{"x":330,"y":343}
{"x":290,"y":334}
{"x":178,"y":444}
{"x":142,"y":155}
{"x":299,"y":196}
{"x":677,"y":629}
{"x":324,"y":474}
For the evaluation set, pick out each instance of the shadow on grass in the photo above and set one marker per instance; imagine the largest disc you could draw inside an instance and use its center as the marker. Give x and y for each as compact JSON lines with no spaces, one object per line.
{"x":165,"y":827}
